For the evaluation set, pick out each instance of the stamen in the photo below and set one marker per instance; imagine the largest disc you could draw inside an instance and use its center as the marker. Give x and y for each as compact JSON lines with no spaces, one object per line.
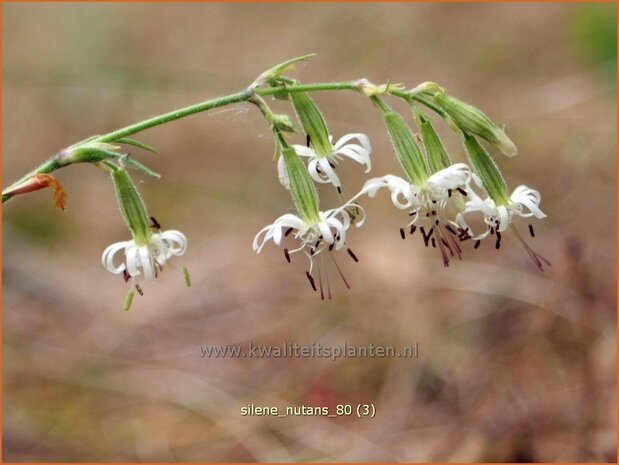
{"x":327,"y":281}
{"x":308,"y":139}
{"x":413,"y":213}
{"x":126,"y":275}
{"x":339,"y":190}
{"x":498,"y":240}
{"x":463,"y":234}
{"x":155,"y":223}
{"x":477,"y":242}
{"x":537,"y":258}
{"x":340,"y":272}
{"x":462,"y":191}
{"x":331,"y":246}
{"x":433,"y":243}
{"x":426,"y":238}
{"x":311,"y":280}
{"x":352,"y":255}
{"x":443,"y":253}
{"x":531,"y":230}
{"x":449,"y":193}
{"x":139,"y":289}
{"x":451,"y":230}
{"x":413,"y":229}
{"x":402,"y":235}
{"x":322,"y":294}
{"x":288,"y":231}
{"x":287,"y":255}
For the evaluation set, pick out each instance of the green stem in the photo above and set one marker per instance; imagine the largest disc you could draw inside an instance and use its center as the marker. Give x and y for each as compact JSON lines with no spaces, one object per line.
{"x":174,"y":115}
{"x":53,"y":163}
{"x":324,"y":86}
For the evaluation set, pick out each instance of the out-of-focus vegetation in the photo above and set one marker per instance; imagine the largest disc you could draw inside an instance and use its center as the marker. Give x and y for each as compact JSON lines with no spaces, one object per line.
{"x":594,"y":33}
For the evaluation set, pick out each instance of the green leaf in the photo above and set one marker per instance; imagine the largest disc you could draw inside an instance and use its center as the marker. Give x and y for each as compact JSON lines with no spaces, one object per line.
{"x":276,"y":71}
{"x":136,"y":165}
{"x":136,"y":143}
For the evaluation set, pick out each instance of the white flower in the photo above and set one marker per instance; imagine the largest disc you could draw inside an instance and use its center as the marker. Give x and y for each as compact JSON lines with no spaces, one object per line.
{"x":147,"y":259}
{"x":321,"y":168}
{"x":427,"y":204}
{"x":327,"y":232}
{"x":524,"y":202}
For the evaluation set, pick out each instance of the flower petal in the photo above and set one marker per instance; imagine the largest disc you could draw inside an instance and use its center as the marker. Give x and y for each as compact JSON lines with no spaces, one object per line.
{"x":146,"y":261}
{"x":175,"y":241}
{"x":107,"y":258}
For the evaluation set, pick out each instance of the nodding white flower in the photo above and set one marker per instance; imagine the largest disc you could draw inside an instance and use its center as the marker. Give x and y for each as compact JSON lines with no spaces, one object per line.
{"x":427,"y":204}
{"x":145,"y":258}
{"x":326,"y":233}
{"x":523,"y":202}
{"x":322,"y":167}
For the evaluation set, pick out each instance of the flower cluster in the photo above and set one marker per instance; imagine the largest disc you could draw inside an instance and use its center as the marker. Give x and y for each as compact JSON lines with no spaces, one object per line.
{"x":442,"y":198}
{"x":448,"y":203}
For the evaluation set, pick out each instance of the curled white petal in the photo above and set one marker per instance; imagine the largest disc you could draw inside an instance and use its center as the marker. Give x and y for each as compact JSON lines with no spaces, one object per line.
{"x":452,"y":177}
{"x":359,"y":152}
{"x":174,"y":242}
{"x":144,"y":259}
{"x":107,"y":259}
{"x":529,"y":198}
{"x":321,"y":167}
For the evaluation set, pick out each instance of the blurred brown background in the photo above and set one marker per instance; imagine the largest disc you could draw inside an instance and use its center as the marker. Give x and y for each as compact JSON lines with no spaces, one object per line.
{"x":514,"y":365}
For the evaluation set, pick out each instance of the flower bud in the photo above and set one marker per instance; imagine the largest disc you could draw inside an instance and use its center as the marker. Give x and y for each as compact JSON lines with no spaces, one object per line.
{"x":302,"y":188}
{"x":408,"y":152}
{"x":472,"y":120}
{"x":438,"y":158}
{"x":313,"y":122}
{"x":487,"y":170}
{"x":283,"y":123}
{"x":131,"y":206}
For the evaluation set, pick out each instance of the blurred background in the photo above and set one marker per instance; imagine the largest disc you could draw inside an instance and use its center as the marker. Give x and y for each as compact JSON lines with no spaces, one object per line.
{"x":514,"y":365}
